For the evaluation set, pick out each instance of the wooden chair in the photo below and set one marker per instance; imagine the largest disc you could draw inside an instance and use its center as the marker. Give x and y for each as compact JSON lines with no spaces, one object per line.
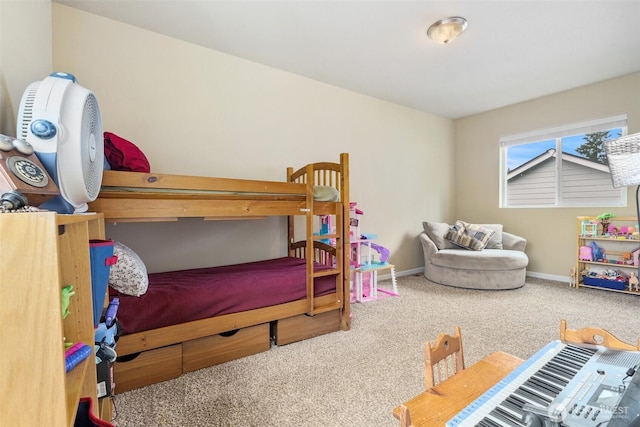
{"x":595,"y":336}
{"x":444,"y":359}
{"x":405,"y":417}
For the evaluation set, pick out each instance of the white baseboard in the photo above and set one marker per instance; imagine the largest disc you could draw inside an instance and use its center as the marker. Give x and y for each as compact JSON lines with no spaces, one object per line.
{"x":529,"y":274}
{"x":548,"y":276}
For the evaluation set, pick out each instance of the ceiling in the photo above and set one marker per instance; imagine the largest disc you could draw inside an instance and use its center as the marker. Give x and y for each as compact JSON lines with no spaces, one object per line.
{"x":512,"y":51}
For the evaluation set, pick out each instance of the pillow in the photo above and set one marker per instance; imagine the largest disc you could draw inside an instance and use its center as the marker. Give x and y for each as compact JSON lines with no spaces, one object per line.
{"x":469,"y":236}
{"x":129,"y":274}
{"x":496,"y":241}
{"x":325,"y":193}
{"x":436,"y":232}
{"x":124,"y":155}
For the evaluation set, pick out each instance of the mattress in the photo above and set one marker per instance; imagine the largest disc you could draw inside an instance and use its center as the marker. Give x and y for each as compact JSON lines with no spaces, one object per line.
{"x":181,"y":296}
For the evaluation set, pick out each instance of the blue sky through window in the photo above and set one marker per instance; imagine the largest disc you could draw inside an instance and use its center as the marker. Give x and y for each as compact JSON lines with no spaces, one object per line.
{"x":518,"y":155}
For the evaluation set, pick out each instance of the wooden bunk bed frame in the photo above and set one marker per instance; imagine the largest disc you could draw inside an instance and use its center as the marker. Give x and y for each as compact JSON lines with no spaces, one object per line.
{"x":166,"y":352}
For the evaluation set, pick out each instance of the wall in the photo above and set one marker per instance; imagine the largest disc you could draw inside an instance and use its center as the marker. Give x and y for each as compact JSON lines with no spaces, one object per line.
{"x":25,"y":53}
{"x":551,"y":231}
{"x":198,"y":111}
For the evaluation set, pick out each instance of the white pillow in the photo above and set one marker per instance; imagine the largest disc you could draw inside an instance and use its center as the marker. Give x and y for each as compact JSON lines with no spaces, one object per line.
{"x":436,"y":232}
{"x":129,"y":274}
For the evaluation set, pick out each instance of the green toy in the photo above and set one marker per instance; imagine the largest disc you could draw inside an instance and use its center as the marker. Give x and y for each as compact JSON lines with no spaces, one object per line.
{"x":604,"y":221}
{"x":67,"y":292}
{"x":606,"y":216}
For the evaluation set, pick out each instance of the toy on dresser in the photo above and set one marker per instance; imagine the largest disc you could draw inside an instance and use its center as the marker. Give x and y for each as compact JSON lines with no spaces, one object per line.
{"x":21,"y":171}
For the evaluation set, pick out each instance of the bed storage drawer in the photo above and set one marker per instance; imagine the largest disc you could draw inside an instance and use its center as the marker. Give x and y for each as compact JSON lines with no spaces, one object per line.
{"x":216,"y":349}
{"x":302,"y":327}
{"x":149,"y":367}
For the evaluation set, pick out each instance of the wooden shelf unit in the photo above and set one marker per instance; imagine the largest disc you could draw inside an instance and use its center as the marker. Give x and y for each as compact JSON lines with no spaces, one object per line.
{"x":610,"y":245}
{"x":42,"y":252}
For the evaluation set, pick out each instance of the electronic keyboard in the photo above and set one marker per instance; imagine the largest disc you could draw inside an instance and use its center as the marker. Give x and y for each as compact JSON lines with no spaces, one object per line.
{"x":573,"y":385}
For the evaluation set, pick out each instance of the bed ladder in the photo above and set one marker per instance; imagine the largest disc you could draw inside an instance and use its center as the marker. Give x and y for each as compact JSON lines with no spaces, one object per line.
{"x":318,"y":174}
{"x":337,"y":270}
{"x":312,"y":308}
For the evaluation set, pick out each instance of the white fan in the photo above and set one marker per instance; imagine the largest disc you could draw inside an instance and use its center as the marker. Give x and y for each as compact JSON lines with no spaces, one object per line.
{"x":61,"y":120}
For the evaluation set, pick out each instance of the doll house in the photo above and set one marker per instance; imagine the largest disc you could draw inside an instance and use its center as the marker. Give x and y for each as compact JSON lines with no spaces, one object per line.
{"x":367,"y":259}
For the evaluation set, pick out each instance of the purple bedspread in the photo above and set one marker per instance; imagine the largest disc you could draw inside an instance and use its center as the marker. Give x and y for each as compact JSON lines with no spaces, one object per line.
{"x":181,"y":296}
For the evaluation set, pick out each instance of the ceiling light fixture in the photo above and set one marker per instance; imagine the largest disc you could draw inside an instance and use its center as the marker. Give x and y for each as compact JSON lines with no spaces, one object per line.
{"x":447,"y":29}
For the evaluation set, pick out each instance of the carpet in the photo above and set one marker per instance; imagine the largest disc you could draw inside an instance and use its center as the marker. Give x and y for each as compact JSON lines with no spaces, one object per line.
{"x":356,"y":378}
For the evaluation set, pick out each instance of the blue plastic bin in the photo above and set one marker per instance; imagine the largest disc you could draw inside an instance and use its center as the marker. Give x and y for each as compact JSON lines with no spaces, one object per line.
{"x":605,"y":283}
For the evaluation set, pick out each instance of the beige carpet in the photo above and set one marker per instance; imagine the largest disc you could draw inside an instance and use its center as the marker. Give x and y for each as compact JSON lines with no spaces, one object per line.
{"x":356,"y":378}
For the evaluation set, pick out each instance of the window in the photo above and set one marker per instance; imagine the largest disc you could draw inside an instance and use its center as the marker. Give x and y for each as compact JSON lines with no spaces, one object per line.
{"x":565,"y":166}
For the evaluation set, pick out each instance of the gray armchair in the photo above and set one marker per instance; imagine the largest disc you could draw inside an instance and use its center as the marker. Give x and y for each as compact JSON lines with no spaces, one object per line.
{"x":502,"y":265}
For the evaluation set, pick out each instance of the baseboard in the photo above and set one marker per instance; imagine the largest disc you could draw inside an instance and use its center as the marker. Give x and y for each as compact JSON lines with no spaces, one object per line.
{"x":548,"y":276}
{"x":533,"y":274}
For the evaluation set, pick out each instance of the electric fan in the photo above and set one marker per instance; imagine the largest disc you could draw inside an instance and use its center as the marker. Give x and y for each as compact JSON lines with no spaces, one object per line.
{"x":61,"y":120}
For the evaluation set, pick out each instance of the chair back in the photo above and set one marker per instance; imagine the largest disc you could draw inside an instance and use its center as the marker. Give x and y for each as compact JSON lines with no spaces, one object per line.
{"x":596,"y":336}
{"x":444,"y":359}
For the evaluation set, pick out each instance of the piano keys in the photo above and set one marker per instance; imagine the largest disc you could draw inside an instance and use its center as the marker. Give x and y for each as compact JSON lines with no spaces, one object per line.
{"x":564,"y":384}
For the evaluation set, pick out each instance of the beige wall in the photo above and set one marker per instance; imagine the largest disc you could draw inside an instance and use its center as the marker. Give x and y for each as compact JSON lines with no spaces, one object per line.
{"x":198,"y":111}
{"x":550,"y":232}
{"x":25,"y":53}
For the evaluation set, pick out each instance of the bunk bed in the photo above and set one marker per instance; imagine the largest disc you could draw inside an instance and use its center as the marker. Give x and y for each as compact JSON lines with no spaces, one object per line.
{"x":316,"y":270}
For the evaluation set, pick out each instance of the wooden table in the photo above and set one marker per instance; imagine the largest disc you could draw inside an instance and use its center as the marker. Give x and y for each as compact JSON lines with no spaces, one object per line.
{"x":436,"y":406}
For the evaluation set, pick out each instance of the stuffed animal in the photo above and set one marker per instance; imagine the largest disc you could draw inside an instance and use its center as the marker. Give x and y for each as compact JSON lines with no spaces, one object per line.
{"x":572,"y":278}
{"x":633,"y":282}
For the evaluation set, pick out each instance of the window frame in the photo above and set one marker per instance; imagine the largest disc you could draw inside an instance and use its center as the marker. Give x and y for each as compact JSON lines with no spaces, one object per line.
{"x":557,"y":133}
